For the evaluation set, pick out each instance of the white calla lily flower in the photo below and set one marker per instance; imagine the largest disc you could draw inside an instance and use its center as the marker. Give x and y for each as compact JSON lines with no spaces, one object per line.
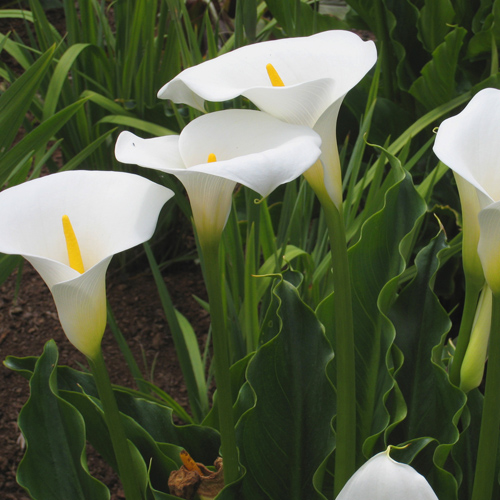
{"x":109,"y":212}
{"x":218,"y":150}
{"x":468,"y":144}
{"x":382,"y":478}
{"x":298,"y":80}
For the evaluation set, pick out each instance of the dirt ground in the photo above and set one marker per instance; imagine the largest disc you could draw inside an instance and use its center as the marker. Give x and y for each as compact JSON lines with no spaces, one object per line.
{"x":29,"y":322}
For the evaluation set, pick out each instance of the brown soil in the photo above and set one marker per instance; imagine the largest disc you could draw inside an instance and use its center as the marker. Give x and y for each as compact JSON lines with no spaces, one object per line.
{"x":31,"y":320}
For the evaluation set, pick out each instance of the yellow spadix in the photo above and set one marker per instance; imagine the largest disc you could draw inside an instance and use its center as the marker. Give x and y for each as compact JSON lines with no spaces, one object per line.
{"x":74,"y":254}
{"x":276,"y":81}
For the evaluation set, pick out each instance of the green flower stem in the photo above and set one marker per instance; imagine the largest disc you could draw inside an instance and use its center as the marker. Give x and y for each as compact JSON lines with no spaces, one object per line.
{"x":469,"y":312}
{"x":126,"y":469}
{"x":345,"y":453}
{"x":210,"y":251}
{"x":490,"y":421}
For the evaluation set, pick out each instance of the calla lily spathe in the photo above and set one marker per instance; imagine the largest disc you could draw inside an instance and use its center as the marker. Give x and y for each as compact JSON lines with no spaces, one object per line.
{"x":382,"y":478}
{"x":109,"y":211}
{"x":250,"y":147}
{"x":316,"y":71}
{"x":468,"y":144}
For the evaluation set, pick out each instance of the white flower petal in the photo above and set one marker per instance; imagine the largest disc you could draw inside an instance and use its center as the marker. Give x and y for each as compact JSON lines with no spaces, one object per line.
{"x":382,"y":478}
{"x":489,"y":245}
{"x":468,"y":143}
{"x":109,"y":211}
{"x":52,"y":271}
{"x":210,"y":197}
{"x":340,"y":56}
{"x":81,"y":306}
{"x":332,"y":175}
{"x":251,"y":147}
{"x":301,"y":104}
{"x":157,"y":153}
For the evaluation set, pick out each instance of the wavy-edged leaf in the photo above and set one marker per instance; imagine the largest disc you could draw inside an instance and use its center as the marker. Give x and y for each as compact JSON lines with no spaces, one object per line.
{"x":437,"y":83}
{"x":434,"y":405}
{"x":54,"y":465}
{"x":489,"y":33}
{"x":286,"y":436}
{"x":434,"y":22}
{"x":376,"y":261}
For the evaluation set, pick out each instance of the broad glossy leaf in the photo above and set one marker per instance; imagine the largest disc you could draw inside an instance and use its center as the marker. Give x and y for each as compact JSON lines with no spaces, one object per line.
{"x":54,"y":465}
{"x":489,"y":33}
{"x":434,"y":22}
{"x":151,"y":414}
{"x":286,"y":436}
{"x":437,"y":83}
{"x":434,"y":405}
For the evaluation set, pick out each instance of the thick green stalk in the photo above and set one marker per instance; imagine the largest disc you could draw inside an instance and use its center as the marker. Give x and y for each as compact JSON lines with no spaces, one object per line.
{"x":210,"y":251}
{"x":345,"y":453}
{"x":126,"y":469}
{"x":469,"y":312}
{"x":490,"y":421}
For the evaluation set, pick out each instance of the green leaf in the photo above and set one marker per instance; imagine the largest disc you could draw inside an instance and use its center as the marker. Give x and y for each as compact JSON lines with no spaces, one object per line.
{"x":54,"y":465}
{"x":36,"y":139}
{"x":437,"y":84}
{"x":433,"y":23}
{"x":481,"y":42}
{"x":59,"y":77}
{"x":16,"y":100}
{"x":286,"y":436}
{"x":376,"y":261}
{"x":127,"y":121}
{"x":186,"y":345}
{"x":7,"y":264}
{"x":298,"y":18}
{"x":434,"y":405}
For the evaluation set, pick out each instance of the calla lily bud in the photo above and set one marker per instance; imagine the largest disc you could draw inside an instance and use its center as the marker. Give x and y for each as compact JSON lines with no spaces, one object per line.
{"x":68,"y":226}
{"x":489,"y":245}
{"x":218,"y":150}
{"x":472,"y":370}
{"x":382,"y":478}
{"x":298,"y":80}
